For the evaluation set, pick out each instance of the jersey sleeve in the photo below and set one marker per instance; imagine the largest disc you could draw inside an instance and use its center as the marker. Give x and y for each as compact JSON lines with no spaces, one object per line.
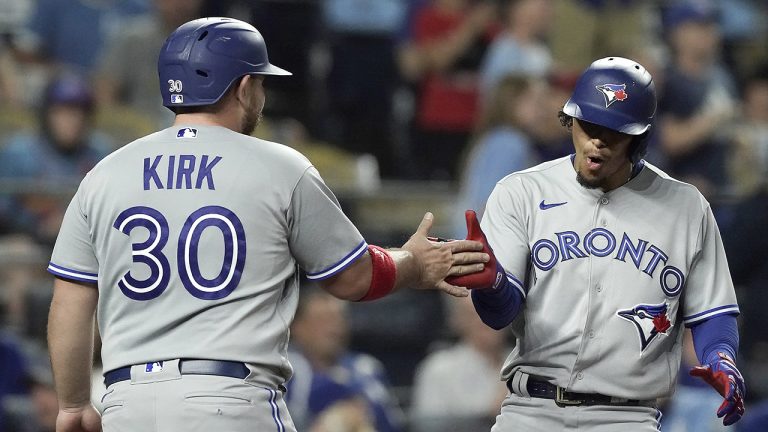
{"x":322,"y":238}
{"x":504,"y":224}
{"x":709,"y":289}
{"x":73,"y":255}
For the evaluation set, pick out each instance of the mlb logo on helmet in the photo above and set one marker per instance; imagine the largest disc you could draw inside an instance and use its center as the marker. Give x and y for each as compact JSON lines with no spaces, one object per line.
{"x":613,"y":93}
{"x":177,"y":99}
{"x":186,"y":133}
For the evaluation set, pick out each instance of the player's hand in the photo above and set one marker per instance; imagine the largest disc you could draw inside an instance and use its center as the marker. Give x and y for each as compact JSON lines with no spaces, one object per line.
{"x":491,"y":273}
{"x":437,"y":260}
{"x":80,"y":419}
{"x":727,"y":380}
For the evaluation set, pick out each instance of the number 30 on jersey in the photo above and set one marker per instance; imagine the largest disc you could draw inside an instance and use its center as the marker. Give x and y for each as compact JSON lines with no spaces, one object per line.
{"x":150,"y":252}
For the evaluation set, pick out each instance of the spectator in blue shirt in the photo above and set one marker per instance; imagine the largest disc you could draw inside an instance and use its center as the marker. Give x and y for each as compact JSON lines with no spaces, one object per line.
{"x":14,"y":372}
{"x":326,"y":371}
{"x":698,"y":99}
{"x":47,"y":161}
{"x":71,"y":33}
{"x":504,"y":144}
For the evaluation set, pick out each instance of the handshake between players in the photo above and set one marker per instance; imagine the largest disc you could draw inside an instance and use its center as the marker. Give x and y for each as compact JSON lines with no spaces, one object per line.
{"x":473,"y":265}
{"x":452,"y":266}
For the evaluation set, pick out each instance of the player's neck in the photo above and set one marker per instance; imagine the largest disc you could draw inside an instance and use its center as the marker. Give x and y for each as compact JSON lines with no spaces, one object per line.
{"x":620,"y":178}
{"x":207,"y":119}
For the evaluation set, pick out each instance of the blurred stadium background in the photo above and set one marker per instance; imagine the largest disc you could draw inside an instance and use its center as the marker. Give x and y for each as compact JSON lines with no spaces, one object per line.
{"x":404,"y":106}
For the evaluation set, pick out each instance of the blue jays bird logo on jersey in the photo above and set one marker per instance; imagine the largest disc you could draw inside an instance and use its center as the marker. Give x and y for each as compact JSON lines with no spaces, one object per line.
{"x":649,"y":320}
{"x":613,"y":93}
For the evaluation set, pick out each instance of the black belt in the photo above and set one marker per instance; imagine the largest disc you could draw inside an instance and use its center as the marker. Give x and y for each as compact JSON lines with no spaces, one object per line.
{"x":187,"y":367}
{"x":545,"y":390}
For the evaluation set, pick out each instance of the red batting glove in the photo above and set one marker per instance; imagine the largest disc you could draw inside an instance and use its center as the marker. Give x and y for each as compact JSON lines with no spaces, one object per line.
{"x":723,"y":375}
{"x":492,"y":272}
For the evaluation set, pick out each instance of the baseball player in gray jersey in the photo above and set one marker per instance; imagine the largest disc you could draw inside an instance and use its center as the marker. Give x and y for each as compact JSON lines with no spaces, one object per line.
{"x":606,"y":260}
{"x":194,"y":236}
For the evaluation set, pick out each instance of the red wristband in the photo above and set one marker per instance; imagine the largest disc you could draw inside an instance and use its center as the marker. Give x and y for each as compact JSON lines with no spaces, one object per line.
{"x":384,"y":273}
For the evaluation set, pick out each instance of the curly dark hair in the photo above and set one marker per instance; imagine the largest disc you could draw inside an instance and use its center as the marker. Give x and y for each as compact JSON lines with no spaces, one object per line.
{"x":565,"y":119}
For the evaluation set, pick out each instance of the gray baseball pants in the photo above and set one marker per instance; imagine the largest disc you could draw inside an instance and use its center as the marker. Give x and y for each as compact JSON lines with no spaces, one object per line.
{"x":520,"y":412}
{"x":168,"y":401}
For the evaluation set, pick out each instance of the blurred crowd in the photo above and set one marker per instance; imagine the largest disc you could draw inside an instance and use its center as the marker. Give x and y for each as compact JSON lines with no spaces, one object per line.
{"x":431,"y":92}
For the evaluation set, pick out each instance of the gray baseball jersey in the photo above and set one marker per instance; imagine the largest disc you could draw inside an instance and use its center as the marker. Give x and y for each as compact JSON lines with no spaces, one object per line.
{"x":610,"y":278}
{"x":193,"y":235}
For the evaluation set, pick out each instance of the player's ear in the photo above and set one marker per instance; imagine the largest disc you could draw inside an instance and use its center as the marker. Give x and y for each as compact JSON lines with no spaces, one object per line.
{"x":241,"y":88}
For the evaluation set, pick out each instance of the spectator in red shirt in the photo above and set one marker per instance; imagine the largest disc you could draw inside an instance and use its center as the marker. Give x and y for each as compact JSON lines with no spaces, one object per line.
{"x":448,"y":41}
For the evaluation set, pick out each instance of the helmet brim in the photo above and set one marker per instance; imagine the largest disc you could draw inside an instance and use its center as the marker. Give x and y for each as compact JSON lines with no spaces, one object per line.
{"x":271,"y":69}
{"x":613,"y":120}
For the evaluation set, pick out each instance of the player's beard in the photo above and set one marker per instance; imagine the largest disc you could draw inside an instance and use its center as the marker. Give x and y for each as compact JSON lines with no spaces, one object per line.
{"x":251,"y":120}
{"x":589,"y":184}
{"x":253,"y":115}
{"x":604,"y":182}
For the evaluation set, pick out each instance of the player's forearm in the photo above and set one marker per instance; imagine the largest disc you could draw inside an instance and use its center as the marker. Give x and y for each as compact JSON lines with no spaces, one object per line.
{"x":498,"y":307}
{"x":356,"y":281}
{"x":70,"y":341}
{"x":719,"y":333}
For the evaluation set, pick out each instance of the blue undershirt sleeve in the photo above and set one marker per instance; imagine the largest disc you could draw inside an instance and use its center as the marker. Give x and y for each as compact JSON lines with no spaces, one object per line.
{"x":498,"y":307}
{"x":717,"y":334}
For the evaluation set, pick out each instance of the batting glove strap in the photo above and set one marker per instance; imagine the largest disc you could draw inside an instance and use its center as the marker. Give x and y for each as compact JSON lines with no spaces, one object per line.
{"x":724,"y":377}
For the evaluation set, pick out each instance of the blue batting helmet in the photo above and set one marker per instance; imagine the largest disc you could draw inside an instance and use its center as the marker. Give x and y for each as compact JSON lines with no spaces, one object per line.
{"x":619,"y":94}
{"x":202,"y":58}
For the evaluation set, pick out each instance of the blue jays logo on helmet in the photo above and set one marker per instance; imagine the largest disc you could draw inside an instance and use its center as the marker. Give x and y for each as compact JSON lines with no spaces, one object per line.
{"x":649,"y":320}
{"x":613,"y":93}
